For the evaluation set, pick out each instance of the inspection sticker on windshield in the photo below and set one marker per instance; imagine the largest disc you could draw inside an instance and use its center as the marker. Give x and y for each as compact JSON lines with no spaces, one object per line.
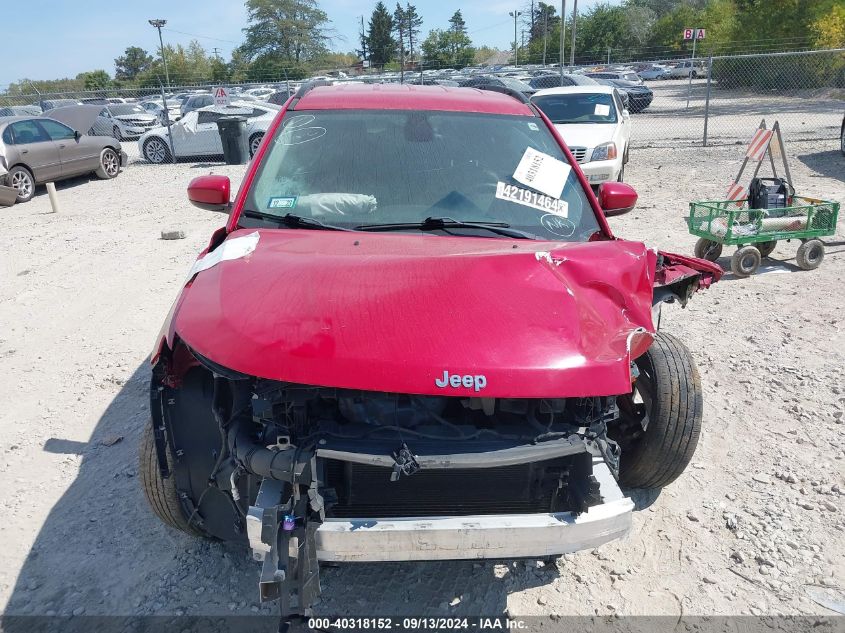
{"x":288,"y":202}
{"x":532,"y":199}
{"x":542,"y":172}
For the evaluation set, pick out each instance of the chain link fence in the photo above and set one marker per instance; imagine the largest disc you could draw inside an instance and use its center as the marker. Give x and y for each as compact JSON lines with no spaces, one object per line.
{"x":682,"y":102}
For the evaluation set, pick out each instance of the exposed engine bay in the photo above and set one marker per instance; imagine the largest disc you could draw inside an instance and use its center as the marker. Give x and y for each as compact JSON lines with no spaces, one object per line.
{"x":268,"y":462}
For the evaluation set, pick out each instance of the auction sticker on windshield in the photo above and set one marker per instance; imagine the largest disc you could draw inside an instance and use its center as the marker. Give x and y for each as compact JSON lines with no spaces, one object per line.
{"x":542,"y":172}
{"x":287,"y":202}
{"x":532,"y":199}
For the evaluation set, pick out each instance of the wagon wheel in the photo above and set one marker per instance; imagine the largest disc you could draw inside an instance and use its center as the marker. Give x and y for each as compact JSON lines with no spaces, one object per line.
{"x":810,"y":254}
{"x":766,"y":248}
{"x":745,"y":261}
{"x":708,"y":249}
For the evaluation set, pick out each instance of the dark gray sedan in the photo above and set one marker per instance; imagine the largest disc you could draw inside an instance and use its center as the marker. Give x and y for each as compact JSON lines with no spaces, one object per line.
{"x":36,"y":150}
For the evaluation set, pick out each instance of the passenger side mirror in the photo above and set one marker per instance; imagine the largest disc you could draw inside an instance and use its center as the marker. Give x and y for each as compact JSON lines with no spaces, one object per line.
{"x":210,"y":192}
{"x":616,"y":198}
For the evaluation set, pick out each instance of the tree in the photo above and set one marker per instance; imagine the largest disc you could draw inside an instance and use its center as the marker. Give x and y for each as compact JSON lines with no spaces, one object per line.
{"x":380,"y":36}
{"x":132,"y":63}
{"x":458,"y":40}
{"x":448,"y":48}
{"x":291,"y":31}
{"x":95,"y":80}
{"x":399,"y":21}
{"x":602,"y":27}
{"x":413,"y":22}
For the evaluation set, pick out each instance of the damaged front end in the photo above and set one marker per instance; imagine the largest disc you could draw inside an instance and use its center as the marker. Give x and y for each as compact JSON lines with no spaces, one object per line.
{"x":311,"y":473}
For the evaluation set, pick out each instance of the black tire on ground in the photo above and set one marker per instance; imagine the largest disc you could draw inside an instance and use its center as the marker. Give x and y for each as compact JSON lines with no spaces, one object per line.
{"x":156,"y":150}
{"x":842,"y":140}
{"x":161,"y":493}
{"x":766,"y":248}
{"x":670,"y":389}
{"x":254,"y":142}
{"x":745,"y":261}
{"x":21,"y":179}
{"x":109,"y":164}
{"x":708,"y":249}
{"x":810,"y":254}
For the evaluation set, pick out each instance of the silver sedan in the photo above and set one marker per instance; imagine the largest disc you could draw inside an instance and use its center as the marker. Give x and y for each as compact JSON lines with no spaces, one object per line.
{"x":36,"y":150}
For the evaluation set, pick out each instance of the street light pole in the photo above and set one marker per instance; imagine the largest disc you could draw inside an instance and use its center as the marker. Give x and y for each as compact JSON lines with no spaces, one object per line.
{"x":515,"y":15}
{"x":158,"y":24}
{"x":562,"y":36}
{"x":572,"y":48}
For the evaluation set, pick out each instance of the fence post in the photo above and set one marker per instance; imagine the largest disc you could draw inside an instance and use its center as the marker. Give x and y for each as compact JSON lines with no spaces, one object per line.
{"x":707,"y":98}
{"x":167,"y":122}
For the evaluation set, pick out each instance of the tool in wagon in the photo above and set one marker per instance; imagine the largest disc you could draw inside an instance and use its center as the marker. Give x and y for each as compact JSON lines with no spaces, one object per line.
{"x":755,"y":217}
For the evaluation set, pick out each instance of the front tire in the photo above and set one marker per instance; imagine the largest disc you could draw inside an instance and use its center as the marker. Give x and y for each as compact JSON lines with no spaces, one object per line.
{"x":810,"y":254}
{"x":745,"y":261}
{"x":708,"y":249}
{"x":254,"y":142}
{"x":661,"y":418}
{"x":22,"y":179}
{"x":109,"y":164}
{"x":156,"y":150}
{"x":161,"y":493}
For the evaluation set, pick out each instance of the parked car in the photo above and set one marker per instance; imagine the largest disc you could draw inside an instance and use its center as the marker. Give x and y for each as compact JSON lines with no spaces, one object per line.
{"x":504,"y":82}
{"x":624,"y":75}
{"x":687,"y":69}
{"x":653,"y":72}
{"x":128,"y":120}
{"x":49,"y":104}
{"x":35,"y":150}
{"x":197,"y":134}
{"x":636,"y":97}
{"x":555,"y":81}
{"x":595,"y":126}
{"x":195,"y":102}
{"x":20,"y":110}
{"x":155,"y":107}
{"x":405,"y":346}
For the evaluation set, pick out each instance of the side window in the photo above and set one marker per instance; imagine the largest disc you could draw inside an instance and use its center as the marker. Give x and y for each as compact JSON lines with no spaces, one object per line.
{"x":57,"y":131}
{"x":28,"y":132}
{"x":7,"y":136}
{"x":207,"y":117}
{"x":618,"y":100}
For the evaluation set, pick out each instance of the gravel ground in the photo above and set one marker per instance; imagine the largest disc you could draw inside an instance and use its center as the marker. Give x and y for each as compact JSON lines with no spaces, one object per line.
{"x":756,"y":525}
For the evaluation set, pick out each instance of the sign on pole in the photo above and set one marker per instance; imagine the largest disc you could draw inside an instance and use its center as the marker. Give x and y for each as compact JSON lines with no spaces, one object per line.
{"x":699,"y":34}
{"x":694,"y":34}
{"x":221,"y":96}
{"x":688,"y":33}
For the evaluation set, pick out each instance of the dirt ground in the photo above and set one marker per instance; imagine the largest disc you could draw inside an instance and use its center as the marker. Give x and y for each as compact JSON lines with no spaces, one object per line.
{"x":756,"y":524}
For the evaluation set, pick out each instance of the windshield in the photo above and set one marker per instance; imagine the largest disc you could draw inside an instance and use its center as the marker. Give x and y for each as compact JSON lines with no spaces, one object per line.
{"x":577,"y":108}
{"x":354,"y":169}
{"x":121,"y":109}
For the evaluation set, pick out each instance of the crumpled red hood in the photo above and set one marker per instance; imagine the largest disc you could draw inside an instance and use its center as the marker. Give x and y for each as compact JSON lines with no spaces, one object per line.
{"x":393,"y":312}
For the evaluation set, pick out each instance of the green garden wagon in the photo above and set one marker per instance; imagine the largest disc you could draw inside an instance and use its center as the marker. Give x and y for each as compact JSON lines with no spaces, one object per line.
{"x":757,"y":231}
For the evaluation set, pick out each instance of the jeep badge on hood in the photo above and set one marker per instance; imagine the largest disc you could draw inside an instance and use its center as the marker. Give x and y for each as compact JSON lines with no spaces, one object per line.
{"x":456,"y":380}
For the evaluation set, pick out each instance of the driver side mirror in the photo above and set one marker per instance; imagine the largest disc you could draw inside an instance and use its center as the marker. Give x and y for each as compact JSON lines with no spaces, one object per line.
{"x":210,"y":193}
{"x":616,"y":198}
{"x":77,"y":134}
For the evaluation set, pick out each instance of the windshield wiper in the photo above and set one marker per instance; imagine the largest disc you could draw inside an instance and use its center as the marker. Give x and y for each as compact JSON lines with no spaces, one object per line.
{"x":434,"y":224}
{"x":293,"y":221}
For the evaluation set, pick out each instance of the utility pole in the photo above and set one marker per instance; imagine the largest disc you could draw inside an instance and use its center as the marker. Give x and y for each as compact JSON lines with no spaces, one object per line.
{"x":363,"y":40}
{"x":608,"y":55}
{"x":545,"y":34}
{"x":216,"y":52}
{"x":158,"y":24}
{"x":572,"y":48}
{"x":562,"y":36}
{"x":515,"y":15}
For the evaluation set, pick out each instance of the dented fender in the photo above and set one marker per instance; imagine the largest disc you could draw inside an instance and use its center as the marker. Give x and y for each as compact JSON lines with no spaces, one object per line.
{"x":678,"y":277}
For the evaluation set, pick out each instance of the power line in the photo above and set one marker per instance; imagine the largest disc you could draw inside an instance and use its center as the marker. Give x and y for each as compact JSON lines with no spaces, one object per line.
{"x":204,"y":37}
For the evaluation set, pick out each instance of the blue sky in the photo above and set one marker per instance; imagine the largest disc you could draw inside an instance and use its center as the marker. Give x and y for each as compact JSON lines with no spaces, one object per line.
{"x":73,"y":36}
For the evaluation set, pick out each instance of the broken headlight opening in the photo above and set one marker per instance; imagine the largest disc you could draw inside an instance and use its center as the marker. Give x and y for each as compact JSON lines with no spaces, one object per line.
{"x":268,"y":462}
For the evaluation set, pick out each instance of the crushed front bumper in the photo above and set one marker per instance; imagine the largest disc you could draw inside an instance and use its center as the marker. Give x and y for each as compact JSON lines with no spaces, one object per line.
{"x":505,"y":536}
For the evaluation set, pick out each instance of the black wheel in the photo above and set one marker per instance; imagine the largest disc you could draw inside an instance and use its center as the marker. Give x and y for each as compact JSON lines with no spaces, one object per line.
{"x":156,"y":150}
{"x":109,"y":164}
{"x":660,"y":421}
{"x":842,"y":140}
{"x":254,"y":142}
{"x":161,"y":493}
{"x":708,"y":249}
{"x":694,"y":75}
{"x":810,"y":254}
{"x":766,"y":248}
{"x":745,"y":261}
{"x":21,"y":179}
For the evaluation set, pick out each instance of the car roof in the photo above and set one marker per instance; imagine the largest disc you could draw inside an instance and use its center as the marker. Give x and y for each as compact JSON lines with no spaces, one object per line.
{"x":410,"y":97}
{"x":580,"y":89}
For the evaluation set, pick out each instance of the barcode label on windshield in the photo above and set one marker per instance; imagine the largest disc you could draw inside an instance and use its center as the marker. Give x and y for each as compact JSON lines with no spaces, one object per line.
{"x":532,"y":199}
